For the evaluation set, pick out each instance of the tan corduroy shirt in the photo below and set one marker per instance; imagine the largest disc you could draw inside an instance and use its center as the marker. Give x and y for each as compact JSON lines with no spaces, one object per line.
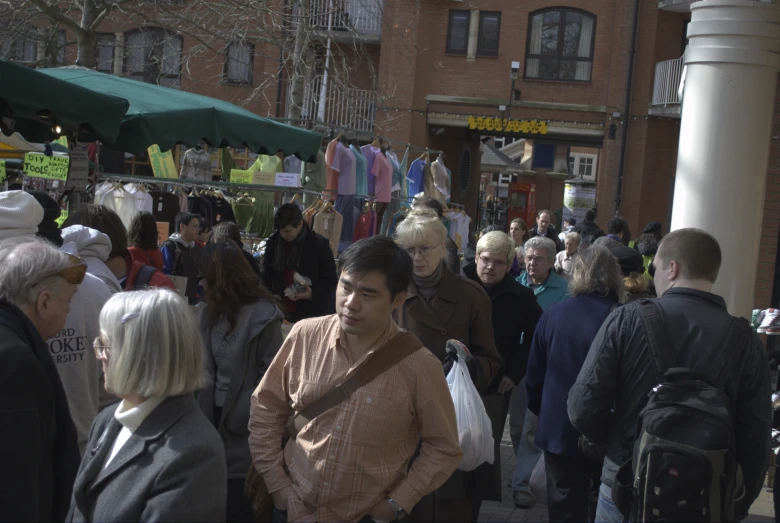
{"x":350,"y":458}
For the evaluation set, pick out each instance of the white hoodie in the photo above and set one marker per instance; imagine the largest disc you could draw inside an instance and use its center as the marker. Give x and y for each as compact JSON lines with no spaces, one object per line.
{"x":93,"y":247}
{"x":72,"y":354}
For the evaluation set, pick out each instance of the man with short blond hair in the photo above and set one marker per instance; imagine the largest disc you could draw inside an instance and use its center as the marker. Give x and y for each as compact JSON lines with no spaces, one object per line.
{"x":613,"y":386}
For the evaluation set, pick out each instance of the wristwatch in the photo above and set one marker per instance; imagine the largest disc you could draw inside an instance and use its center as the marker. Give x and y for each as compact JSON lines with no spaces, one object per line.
{"x":398,"y":509}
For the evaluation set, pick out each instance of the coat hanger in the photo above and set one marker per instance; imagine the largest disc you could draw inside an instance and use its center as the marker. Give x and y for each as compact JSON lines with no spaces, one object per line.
{"x":296,"y":199}
{"x":424,"y":156}
{"x":376,"y":142}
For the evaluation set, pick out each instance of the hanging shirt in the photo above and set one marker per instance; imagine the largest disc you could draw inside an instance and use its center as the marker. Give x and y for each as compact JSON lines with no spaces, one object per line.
{"x":143,"y":201}
{"x":196,"y":165}
{"x":332,"y":182}
{"x":267,"y":164}
{"x":383,"y":172}
{"x":415,"y":177}
{"x":116,"y":198}
{"x":165,"y":207}
{"x":344,"y":162}
{"x":370,"y":152}
{"x":292,"y":164}
{"x":361,"y":181}
{"x":313,"y":177}
{"x":441,"y":184}
{"x":397,"y":175}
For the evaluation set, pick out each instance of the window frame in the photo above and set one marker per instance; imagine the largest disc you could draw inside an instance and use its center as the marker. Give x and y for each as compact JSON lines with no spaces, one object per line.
{"x":13,"y":45}
{"x":563,"y":11}
{"x":577,"y":158}
{"x":448,"y":49}
{"x":479,"y":34}
{"x":98,"y":37}
{"x":154,"y":76}
{"x":225,"y":78}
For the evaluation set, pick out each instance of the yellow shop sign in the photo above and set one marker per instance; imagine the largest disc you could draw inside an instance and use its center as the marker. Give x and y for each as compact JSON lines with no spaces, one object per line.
{"x":480,"y":123}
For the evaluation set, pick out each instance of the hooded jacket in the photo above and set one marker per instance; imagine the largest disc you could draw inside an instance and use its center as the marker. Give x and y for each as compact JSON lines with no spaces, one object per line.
{"x":93,"y":247}
{"x":181,"y":259}
{"x":258,"y":337}
{"x":589,"y":229}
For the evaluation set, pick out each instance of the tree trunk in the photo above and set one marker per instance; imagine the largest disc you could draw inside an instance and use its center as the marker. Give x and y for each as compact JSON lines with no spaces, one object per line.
{"x":295,"y":103}
{"x":87,"y":38}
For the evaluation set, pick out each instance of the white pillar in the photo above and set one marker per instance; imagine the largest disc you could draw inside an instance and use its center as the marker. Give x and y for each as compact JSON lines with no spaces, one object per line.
{"x":471,"y":48}
{"x":732,"y":61}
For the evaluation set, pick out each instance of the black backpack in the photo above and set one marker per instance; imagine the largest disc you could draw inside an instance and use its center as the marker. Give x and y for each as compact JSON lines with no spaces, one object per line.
{"x":684,"y":463}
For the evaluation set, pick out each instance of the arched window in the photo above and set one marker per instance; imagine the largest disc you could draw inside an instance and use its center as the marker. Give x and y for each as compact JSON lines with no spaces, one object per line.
{"x":560,"y":45}
{"x":465,"y":169}
{"x":153,"y":55}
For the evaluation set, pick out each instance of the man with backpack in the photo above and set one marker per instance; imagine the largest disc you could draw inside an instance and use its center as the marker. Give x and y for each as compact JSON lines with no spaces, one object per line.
{"x":678,"y":391}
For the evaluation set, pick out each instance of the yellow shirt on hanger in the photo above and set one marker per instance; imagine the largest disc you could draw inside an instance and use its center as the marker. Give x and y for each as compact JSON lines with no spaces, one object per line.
{"x":267,"y":164}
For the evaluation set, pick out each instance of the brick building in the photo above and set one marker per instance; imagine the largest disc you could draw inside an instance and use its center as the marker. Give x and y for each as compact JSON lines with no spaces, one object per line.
{"x":601,"y":75}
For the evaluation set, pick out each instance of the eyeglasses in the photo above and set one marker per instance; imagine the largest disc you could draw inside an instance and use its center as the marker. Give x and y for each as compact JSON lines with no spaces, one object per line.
{"x":487,"y":262}
{"x":101,"y":351}
{"x":423,"y":251}
{"x":535,"y":259}
{"x":73,"y":274}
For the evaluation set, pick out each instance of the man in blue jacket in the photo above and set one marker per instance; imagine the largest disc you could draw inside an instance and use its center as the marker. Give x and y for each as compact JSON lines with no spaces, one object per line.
{"x":549,"y":288}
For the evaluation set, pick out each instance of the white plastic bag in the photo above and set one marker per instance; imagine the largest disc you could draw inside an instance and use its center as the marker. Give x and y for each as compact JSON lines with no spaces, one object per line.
{"x":475,"y":432}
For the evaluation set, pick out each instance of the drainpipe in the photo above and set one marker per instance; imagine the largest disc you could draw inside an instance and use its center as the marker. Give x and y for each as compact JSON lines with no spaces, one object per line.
{"x":626,"y":110}
{"x":731,"y":66}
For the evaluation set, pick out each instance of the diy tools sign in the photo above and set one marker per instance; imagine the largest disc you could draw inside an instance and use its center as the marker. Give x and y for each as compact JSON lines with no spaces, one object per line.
{"x":38,"y":165}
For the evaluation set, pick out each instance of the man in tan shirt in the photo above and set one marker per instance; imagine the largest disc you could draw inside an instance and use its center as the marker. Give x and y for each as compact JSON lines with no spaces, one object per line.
{"x":352,"y":462}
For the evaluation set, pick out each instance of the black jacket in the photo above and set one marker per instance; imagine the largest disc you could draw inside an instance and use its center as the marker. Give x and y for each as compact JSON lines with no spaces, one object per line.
{"x":515,"y":315}
{"x":618,"y":374}
{"x":549,"y":234}
{"x":590,"y":230}
{"x":38,"y":446}
{"x":317,"y":264}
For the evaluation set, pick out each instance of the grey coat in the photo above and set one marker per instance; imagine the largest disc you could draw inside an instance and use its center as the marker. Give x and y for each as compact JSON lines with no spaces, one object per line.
{"x":259,"y":337}
{"x":171,"y":469}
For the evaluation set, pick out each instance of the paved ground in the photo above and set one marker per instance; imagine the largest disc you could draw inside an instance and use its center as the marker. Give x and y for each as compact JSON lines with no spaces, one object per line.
{"x":505,"y":511}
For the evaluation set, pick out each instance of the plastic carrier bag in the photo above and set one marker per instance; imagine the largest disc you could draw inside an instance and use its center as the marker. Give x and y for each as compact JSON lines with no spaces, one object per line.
{"x":475,"y":432}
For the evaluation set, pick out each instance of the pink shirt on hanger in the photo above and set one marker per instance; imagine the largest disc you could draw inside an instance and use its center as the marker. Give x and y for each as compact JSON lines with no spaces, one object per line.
{"x":383,"y":171}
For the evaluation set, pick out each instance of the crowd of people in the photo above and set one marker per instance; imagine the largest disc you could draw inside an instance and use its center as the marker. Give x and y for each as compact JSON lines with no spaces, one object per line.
{"x":154,"y":381}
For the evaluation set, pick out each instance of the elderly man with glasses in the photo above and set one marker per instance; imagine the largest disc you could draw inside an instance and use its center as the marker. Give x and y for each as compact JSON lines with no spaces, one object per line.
{"x":38,"y":445}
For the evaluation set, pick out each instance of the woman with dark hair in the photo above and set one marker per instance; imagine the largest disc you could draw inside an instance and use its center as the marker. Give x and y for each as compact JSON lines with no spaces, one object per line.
{"x":142,"y":240}
{"x":205,"y":233}
{"x":241,"y":329}
{"x":231,"y":231}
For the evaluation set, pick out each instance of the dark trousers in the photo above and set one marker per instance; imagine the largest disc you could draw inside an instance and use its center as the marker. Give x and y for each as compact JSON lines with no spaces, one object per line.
{"x":569,"y":482}
{"x":380,"y":214}
{"x":280,"y":516}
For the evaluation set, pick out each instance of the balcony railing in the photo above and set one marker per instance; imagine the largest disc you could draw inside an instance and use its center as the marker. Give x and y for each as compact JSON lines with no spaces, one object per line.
{"x":363,"y":17}
{"x":666,"y":86}
{"x":344,"y":107}
{"x":678,"y":6}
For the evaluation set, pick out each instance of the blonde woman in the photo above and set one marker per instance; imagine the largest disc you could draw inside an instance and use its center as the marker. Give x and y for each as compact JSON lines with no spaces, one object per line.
{"x":441,"y":306}
{"x":518,"y":231}
{"x":155,"y":456}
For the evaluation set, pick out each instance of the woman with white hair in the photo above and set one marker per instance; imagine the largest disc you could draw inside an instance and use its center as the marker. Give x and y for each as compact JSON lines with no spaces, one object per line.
{"x":557,"y":355}
{"x":155,"y":457}
{"x":441,"y":306}
{"x":564,"y":260}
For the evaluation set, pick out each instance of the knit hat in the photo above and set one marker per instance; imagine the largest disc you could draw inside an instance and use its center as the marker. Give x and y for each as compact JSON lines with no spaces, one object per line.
{"x":20,"y":214}
{"x":630,"y":260}
{"x":48,"y":227}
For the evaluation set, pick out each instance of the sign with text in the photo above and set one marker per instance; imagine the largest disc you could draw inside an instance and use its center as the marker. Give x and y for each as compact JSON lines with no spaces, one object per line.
{"x":248,"y":177}
{"x":62,"y":218}
{"x":163,"y":231}
{"x":507,"y":126}
{"x":577,"y":200}
{"x":288,"y":179}
{"x":3,"y":174}
{"x":162,"y":163}
{"x":38,"y":165}
{"x":79,"y":168}
{"x":241,"y":176}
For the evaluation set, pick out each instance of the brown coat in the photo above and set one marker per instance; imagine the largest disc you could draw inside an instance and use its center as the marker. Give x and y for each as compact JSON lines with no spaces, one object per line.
{"x":460,"y":310}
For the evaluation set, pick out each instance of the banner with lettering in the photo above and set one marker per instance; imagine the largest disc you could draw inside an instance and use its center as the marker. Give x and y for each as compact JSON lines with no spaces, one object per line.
{"x":162,"y":163}
{"x":38,"y":165}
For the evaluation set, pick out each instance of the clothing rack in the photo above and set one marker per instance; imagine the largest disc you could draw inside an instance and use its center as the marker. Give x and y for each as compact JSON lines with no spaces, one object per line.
{"x":107,"y":177}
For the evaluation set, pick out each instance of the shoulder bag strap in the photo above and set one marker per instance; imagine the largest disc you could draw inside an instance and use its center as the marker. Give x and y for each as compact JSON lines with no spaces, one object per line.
{"x":402,"y":345}
{"x":144,"y":277}
{"x":722,"y":361}
{"x":657,"y":335}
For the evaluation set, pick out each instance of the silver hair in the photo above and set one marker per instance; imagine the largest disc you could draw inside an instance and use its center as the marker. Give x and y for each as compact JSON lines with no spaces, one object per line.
{"x":596,"y":270}
{"x":421,"y":226}
{"x":155,"y":344}
{"x":574,"y":237}
{"x":540,"y":242}
{"x":28,"y":265}
{"x":498,"y":243}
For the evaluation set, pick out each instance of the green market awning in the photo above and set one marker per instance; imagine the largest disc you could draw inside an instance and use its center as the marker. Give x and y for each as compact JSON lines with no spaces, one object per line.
{"x":163,"y":116}
{"x":31,"y":103}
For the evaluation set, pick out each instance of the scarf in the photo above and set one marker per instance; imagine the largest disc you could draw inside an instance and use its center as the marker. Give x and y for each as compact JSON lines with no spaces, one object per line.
{"x":293,"y":259}
{"x":427,"y":285}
